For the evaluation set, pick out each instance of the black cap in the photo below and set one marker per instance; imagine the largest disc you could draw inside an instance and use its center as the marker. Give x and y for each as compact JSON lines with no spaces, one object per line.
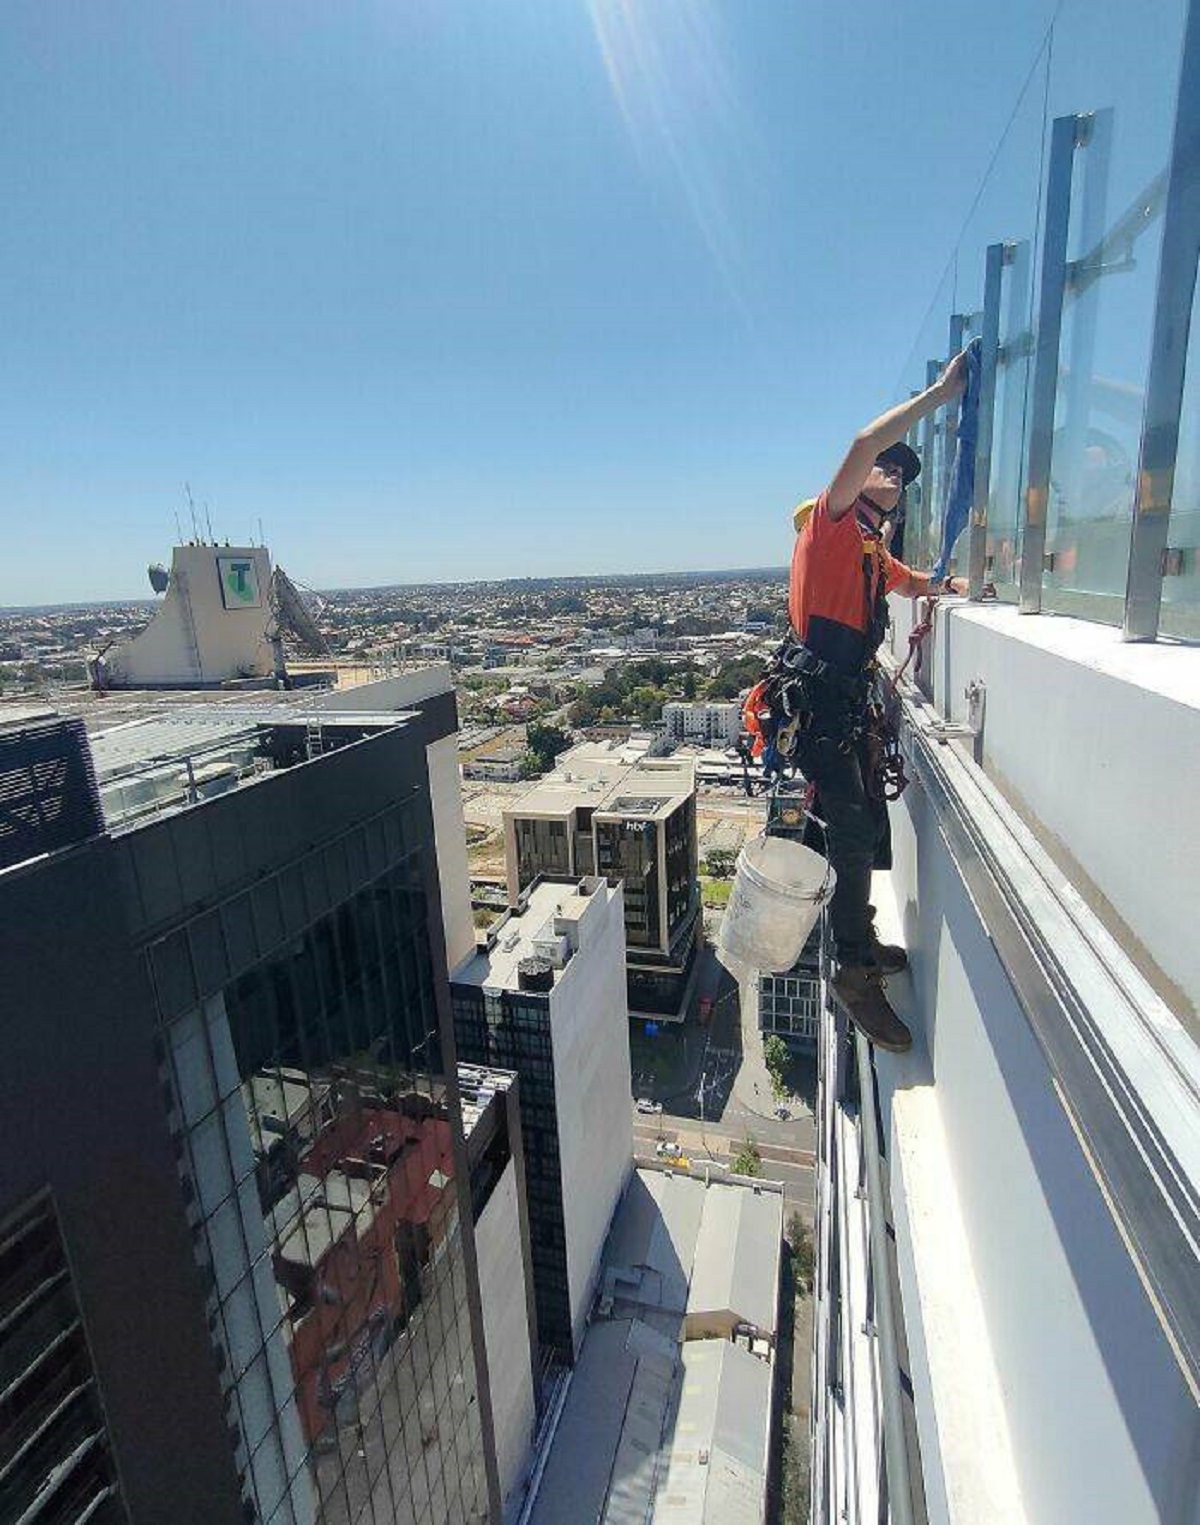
{"x":903,"y":456}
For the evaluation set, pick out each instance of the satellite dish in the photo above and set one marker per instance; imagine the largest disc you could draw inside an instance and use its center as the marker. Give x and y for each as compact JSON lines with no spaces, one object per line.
{"x":293,"y":615}
{"x":159,"y":577}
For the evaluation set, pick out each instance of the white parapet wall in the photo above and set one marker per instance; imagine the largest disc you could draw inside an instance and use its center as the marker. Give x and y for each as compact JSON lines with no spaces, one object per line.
{"x":1094,"y":740}
{"x":1022,"y":1290}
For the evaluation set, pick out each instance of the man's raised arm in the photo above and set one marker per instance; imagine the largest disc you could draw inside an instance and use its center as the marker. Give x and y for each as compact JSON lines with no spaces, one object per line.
{"x":888,"y":429}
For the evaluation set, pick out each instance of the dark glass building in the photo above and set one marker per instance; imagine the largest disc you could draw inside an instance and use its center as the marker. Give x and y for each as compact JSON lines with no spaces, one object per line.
{"x":237,"y":1207}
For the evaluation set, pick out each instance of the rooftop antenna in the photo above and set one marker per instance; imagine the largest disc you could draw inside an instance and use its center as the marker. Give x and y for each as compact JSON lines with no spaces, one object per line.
{"x":192,"y":510}
{"x":261,"y":541}
{"x":208,"y":520}
{"x":178,"y":529}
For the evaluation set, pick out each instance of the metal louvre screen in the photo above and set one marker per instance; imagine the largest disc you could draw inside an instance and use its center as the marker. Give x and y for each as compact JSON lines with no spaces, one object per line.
{"x":56,"y":1463}
{"x":48,"y":793}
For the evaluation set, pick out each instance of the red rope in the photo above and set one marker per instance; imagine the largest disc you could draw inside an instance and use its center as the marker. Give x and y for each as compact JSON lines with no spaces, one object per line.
{"x":915,"y":641}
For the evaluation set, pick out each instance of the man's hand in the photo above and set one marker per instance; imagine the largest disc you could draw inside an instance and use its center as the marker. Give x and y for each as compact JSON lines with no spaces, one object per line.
{"x":952,"y":382}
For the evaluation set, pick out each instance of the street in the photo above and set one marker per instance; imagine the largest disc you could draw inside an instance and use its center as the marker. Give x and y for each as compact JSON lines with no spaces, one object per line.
{"x":713,"y":1084}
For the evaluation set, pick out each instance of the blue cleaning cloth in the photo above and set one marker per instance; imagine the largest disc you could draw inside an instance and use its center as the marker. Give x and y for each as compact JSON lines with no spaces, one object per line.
{"x":962,"y":472}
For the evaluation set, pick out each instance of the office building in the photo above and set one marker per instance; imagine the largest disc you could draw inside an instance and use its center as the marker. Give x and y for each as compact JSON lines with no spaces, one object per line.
{"x":252,"y":1265}
{"x":546,"y":997}
{"x":636,"y":825}
{"x":669,"y":1413}
{"x":707,"y":725}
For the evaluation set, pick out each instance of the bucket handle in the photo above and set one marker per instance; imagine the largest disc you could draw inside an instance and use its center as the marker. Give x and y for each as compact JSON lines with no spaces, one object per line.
{"x":823,"y":898}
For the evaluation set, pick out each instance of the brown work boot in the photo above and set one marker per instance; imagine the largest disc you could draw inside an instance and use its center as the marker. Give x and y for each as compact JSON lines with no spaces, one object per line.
{"x":858,"y":989}
{"x":887,"y":956}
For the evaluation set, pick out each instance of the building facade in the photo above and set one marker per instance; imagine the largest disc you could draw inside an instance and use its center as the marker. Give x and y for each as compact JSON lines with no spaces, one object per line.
{"x":546,"y":998}
{"x":708,"y":725}
{"x":270,"y":1217}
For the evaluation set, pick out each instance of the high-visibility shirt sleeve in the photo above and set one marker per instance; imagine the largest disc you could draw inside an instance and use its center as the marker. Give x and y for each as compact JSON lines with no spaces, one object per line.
{"x":894,"y":572}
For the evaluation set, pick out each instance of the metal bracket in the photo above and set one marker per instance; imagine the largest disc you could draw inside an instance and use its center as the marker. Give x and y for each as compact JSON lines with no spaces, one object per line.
{"x":1173,"y":563}
{"x":975,"y":694}
{"x":943,"y":731}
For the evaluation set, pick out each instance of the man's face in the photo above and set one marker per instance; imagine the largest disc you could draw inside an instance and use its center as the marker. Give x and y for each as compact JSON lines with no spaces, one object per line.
{"x":885,"y":484}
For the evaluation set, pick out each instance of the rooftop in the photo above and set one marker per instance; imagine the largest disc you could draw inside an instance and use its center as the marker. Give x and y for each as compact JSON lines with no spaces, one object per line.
{"x":546,"y":923}
{"x":477,"y":1085}
{"x":594,"y":775}
{"x":161,"y":749}
{"x":684,"y":1246}
{"x":658,"y":1426}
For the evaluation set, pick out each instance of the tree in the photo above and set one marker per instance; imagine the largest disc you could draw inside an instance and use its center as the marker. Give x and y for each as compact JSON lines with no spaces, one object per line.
{"x":688,"y":686}
{"x":720,"y":863}
{"x":801,"y":1245}
{"x":747,"y":1161}
{"x":733,"y":676}
{"x":775,"y":1053}
{"x":544,"y":743}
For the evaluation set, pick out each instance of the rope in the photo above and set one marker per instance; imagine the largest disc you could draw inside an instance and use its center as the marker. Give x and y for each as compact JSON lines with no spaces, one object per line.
{"x":916,"y":640}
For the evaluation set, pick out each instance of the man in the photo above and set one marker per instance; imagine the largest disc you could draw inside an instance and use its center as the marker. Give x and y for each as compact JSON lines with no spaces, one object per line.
{"x":837,"y":604}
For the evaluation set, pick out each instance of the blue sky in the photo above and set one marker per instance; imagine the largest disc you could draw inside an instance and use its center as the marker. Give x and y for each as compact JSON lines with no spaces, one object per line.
{"x":491,"y":288}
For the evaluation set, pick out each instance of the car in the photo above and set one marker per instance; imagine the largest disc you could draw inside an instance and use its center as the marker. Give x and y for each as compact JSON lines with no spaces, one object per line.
{"x":666,"y":1149}
{"x":644,"y":1104}
{"x":782,"y":1113}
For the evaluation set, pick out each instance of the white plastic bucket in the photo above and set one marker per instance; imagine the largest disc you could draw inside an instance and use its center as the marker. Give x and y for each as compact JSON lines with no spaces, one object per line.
{"x":777,"y":897}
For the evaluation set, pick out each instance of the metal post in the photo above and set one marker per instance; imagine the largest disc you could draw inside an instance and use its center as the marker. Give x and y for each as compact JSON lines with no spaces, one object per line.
{"x":1083,"y":294}
{"x":1065,"y":138}
{"x":997,"y":257}
{"x":1168,"y":353}
{"x":928,"y":496}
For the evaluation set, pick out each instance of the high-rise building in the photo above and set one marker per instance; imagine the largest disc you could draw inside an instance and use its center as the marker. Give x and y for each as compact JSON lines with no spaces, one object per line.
{"x":546,"y":998}
{"x":636,"y":825}
{"x":252,"y":1264}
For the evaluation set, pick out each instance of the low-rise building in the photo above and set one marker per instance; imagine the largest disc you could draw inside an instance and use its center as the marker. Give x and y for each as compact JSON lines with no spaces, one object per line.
{"x":668,"y":1417}
{"x":707,"y":724}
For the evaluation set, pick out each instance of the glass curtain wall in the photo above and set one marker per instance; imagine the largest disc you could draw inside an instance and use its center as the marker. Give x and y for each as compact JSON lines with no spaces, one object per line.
{"x":1121,"y":80}
{"x":317,"y":1157}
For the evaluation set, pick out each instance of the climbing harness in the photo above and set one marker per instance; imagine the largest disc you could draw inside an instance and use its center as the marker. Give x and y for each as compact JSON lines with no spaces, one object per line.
{"x":799,"y":692}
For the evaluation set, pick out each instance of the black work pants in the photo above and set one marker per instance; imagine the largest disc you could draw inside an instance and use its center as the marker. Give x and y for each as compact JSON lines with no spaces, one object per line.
{"x":857,"y":836}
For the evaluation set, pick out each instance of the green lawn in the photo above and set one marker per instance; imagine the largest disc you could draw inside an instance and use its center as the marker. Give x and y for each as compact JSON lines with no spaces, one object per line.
{"x":716,"y":892}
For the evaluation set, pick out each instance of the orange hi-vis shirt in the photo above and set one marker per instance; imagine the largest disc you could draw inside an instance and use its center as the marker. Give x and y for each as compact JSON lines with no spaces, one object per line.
{"x":838,"y":573}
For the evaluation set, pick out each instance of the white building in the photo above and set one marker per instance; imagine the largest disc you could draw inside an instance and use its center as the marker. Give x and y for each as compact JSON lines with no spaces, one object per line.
{"x":546,"y":998}
{"x":706,"y":724}
{"x":491,"y":1125}
{"x":1041,"y":1142}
